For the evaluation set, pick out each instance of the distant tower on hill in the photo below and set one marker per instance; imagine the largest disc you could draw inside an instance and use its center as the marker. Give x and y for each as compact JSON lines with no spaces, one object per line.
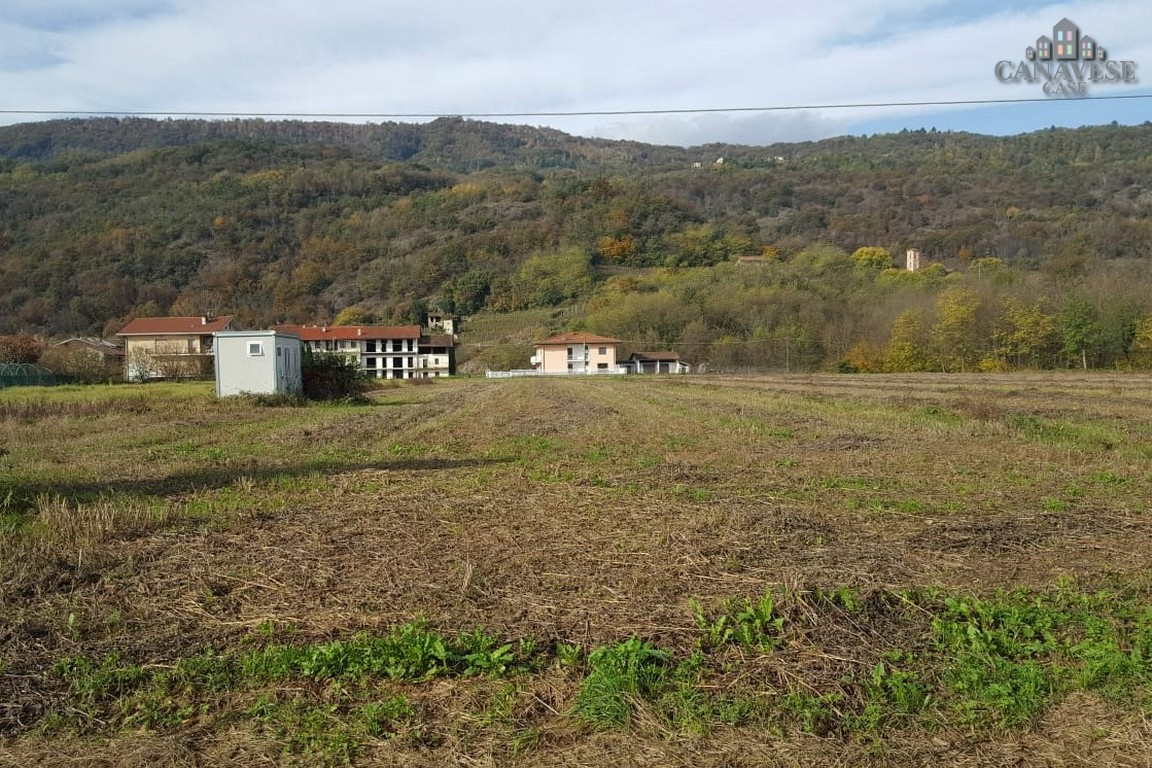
{"x":912,"y":259}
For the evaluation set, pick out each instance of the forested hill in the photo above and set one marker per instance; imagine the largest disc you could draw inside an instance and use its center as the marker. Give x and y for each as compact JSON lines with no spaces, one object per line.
{"x":451,"y":144}
{"x":104,"y":219}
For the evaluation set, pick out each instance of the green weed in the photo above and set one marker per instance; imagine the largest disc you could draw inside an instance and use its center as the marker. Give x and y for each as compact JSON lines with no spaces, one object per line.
{"x":619,"y":676}
{"x":816,"y":713}
{"x":891,"y":696}
{"x":482,"y":654}
{"x":406,"y":451}
{"x":845,"y":598}
{"x":383,"y":719}
{"x":997,"y":649}
{"x":754,"y":625}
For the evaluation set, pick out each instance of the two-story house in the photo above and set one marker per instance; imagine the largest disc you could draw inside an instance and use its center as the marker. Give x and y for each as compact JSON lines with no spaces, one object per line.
{"x":170,"y":347}
{"x":577,"y":353}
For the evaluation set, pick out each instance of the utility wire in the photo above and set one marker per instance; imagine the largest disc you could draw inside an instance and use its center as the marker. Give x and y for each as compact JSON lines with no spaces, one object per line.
{"x":569,"y":113}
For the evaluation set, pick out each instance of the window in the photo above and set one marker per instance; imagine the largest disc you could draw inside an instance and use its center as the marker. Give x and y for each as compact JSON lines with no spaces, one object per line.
{"x":602,"y":351}
{"x":279,"y":351}
{"x":255,"y":349}
{"x":601,"y":366}
{"x":370,"y":345}
{"x":369,"y":362}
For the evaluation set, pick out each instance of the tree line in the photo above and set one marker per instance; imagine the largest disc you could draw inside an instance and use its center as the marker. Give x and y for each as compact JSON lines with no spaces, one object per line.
{"x":752,"y":261}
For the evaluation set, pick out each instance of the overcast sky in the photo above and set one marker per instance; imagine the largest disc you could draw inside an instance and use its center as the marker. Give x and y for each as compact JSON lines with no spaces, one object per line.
{"x":389,"y":60}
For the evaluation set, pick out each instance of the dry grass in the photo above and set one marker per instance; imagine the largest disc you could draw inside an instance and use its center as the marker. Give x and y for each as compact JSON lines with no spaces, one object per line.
{"x":582,"y":511}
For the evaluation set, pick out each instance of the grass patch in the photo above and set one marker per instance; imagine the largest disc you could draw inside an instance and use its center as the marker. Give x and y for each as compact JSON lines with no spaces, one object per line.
{"x":984,"y":662}
{"x":620,"y":676}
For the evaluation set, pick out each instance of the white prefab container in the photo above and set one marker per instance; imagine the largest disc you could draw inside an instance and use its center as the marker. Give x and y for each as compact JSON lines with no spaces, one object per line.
{"x":257,"y":363}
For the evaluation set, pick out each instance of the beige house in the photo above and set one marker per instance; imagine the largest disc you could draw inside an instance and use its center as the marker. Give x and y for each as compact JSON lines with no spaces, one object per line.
{"x":576,"y":353}
{"x":170,"y":347}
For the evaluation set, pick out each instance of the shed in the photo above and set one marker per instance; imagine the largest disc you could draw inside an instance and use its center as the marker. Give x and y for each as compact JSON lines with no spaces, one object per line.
{"x":257,"y":362}
{"x":656,"y":362}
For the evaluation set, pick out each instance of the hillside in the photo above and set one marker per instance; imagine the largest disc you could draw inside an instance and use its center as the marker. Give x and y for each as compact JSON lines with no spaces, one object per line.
{"x":722,"y":571}
{"x":104,"y":219}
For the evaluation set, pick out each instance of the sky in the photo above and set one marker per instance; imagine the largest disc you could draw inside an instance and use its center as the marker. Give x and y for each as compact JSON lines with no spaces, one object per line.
{"x":690,"y":72}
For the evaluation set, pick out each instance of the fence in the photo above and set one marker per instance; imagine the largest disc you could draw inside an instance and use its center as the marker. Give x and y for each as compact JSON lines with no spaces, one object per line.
{"x":25,"y":375}
{"x":534,"y":372}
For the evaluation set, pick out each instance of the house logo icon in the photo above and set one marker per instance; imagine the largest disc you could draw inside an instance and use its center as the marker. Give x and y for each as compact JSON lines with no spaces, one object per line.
{"x":1066,"y":44}
{"x":1066,"y":63}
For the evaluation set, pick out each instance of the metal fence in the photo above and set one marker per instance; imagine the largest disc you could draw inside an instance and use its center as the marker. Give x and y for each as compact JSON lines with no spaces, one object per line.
{"x":25,"y":375}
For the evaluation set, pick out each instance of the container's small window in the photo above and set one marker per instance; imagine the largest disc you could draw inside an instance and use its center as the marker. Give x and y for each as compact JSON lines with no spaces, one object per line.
{"x":279,"y":351}
{"x":255,"y":348}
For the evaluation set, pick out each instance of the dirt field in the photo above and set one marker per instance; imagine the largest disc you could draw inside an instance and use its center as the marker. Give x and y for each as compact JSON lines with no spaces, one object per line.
{"x":153,"y":525}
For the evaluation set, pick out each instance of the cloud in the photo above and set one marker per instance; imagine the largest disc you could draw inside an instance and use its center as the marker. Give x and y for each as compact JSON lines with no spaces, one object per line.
{"x":501,"y":57}
{"x":65,"y":15}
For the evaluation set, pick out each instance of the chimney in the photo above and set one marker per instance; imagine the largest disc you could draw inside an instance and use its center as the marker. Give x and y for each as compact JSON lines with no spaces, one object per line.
{"x":203,"y":320}
{"x":359,"y":331}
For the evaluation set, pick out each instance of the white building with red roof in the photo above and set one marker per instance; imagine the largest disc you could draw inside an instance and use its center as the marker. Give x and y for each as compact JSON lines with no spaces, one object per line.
{"x":383,"y":351}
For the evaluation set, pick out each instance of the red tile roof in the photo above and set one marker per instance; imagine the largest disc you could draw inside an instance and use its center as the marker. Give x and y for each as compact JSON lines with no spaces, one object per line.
{"x":183,"y":326}
{"x":348,"y":332}
{"x":577,"y":337}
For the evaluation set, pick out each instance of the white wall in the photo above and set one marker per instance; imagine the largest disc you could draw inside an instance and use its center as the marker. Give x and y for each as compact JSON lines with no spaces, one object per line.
{"x":257,"y":362}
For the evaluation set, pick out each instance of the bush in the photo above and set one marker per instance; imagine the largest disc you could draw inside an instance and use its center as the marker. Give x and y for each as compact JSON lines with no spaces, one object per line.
{"x":331,"y":376}
{"x":80,"y":365}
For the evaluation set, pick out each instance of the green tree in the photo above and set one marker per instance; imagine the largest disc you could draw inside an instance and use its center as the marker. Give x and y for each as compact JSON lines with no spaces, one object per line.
{"x":546,"y":280}
{"x":467,"y":294}
{"x":955,"y":335}
{"x":1117,"y":322}
{"x":353,"y":316}
{"x":1026,"y":334}
{"x":331,"y":376}
{"x":1079,"y":330}
{"x":704,"y":245}
{"x":1142,"y":342}
{"x":907,"y":349}
{"x":872,"y":257}
{"x":656,"y":320}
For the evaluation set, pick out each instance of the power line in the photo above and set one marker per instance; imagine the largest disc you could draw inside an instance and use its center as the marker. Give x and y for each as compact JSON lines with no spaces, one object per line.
{"x":570,"y":113}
